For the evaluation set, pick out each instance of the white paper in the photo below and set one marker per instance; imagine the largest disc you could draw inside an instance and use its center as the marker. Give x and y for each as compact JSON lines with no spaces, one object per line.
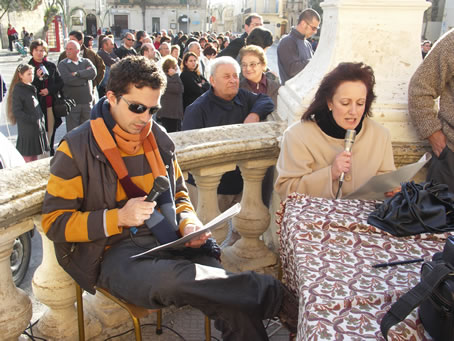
{"x":375,"y":188}
{"x":212,"y":225}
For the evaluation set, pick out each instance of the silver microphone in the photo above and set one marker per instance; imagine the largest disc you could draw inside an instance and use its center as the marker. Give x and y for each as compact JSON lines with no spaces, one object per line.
{"x":348,"y":144}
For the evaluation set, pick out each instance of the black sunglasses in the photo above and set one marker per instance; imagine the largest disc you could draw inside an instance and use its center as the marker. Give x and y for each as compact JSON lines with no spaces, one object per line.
{"x":140,"y":108}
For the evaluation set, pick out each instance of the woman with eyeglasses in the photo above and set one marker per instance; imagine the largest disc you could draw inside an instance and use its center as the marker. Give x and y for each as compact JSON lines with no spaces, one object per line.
{"x":257,"y":78}
{"x":194,"y":83}
{"x":171,"y":112}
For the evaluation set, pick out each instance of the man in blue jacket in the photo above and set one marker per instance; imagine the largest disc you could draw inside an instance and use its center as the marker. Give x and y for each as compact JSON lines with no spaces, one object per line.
{"x":225,"y":103}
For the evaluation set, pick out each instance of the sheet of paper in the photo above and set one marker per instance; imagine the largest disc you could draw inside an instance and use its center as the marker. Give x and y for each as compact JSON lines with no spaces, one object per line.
{"x":376,"y":187}
{"x":212,"y":225}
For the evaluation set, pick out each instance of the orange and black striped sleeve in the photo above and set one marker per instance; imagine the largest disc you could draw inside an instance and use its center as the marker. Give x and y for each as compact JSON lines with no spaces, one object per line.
{"x":185,"y":211}
{"x":62,"y":217}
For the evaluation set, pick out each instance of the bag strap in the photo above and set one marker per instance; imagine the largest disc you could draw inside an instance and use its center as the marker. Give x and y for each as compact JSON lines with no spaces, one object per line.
{"x":413,"y":298}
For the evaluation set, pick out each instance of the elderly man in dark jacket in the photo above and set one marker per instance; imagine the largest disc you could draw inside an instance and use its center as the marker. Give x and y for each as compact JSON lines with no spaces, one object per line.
{"x":225,"y":103}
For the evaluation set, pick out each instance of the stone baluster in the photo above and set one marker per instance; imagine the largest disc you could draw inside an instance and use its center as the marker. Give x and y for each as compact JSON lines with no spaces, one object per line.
{"x":250,"y":252}
{"x":207,"y":180}
{"x":53,"y":287}
{"x":16,"y":307}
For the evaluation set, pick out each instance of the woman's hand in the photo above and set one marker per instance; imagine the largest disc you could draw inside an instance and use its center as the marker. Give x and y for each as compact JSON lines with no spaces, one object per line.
{"x":393,"y":192}
{"x":44,"y":92}
{"x":342,"y":164}
{"x":135,"y":212}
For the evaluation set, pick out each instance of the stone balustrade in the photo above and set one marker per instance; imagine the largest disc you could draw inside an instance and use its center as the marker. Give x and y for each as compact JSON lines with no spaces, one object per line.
{"x":207,"y":153}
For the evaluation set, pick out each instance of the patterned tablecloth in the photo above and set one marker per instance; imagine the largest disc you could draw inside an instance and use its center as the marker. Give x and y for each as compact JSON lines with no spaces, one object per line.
{"x":327,"y":249}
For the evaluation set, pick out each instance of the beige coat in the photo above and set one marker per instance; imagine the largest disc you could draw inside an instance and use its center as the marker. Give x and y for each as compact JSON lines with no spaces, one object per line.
{"x":307,"y":153}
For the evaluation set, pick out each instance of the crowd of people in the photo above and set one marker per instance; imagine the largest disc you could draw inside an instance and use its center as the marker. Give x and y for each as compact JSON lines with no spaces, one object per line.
{"x":197,"y":81}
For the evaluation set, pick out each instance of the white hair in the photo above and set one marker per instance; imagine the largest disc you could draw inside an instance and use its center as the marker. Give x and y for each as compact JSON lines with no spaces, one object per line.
{"x":191,"y":44}
{"x":222,"y":61}
{"x":76,"y":44}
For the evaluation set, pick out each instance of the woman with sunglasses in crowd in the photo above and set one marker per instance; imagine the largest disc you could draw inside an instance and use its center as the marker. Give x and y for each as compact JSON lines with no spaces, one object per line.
{"x":194,"y":83}
{"x":48,"y":83}
{"x":24,"y":109}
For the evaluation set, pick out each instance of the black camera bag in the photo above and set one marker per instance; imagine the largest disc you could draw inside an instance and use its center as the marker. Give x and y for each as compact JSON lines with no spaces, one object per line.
{"x":434,"y":295}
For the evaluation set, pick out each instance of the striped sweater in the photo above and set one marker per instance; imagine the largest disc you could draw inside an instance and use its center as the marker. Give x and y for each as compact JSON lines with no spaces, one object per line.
{"x":84,"y":194}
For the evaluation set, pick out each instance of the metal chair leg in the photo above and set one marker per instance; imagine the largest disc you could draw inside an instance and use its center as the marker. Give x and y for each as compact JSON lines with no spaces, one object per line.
{"x":207,"y":329}
{"x":159,"y":322}
{"x":80,"y":312}
{"x":137,"y":331}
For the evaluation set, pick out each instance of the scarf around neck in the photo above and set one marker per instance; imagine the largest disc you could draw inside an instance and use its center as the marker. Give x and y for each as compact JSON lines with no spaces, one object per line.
{"x":328,"y":125}
{"x":110,"y":138}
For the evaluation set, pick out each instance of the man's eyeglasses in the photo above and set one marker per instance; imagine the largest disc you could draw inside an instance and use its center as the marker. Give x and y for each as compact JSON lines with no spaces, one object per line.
{"x":314,"y":28}
{"x":130,"y":39}
{"x":140,"y":108}
{"x":251,"y":65}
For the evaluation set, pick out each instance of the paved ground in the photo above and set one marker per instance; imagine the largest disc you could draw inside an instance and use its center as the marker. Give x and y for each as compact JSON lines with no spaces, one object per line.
{"x":186,"y":322}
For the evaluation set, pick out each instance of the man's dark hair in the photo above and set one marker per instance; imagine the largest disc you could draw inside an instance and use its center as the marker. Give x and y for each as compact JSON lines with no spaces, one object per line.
{"x":308,"y":14}
{"x":87,"y":39}
{"x":344,"y":72}
{"x":140,"y":34}
{"x":260,"y":36}
{"x":78,"y":34}
{"x":165,"y":39}
{"x":36,"y":43}
{"x":135,"y":71}
{"x":250,"y":17}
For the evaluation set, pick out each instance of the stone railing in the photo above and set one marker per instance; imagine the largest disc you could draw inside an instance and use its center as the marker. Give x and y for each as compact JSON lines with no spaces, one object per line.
{"x":207,"y":153}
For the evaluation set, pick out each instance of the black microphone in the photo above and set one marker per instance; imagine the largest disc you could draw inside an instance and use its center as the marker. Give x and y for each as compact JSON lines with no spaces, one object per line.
{"x":161,"y":184}
{"x":348,"y":144}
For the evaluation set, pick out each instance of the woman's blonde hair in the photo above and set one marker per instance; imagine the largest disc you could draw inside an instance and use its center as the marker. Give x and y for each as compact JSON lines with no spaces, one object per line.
{"x":21,"y":69}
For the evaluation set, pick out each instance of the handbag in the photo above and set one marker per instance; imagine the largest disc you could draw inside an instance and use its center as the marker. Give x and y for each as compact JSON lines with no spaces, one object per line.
{"x":434,"y":295}
{"x":418,"y":208}
{"x":62,"y":105}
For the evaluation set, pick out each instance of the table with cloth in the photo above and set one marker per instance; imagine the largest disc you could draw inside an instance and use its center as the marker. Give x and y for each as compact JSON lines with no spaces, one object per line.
{"x":327,"y":251}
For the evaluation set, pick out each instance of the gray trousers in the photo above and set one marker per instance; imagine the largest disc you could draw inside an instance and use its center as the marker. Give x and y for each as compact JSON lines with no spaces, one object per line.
{"x":238,"y":302}
{"x":441,"y":169}
{"x":78,"y":115}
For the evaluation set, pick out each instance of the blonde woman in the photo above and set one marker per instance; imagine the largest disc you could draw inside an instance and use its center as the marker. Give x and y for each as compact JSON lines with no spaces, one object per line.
{"x":24,"y":109}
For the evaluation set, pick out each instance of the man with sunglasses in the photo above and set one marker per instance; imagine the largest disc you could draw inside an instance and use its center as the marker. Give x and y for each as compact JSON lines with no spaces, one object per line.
{"x":100,"y":177}
{"x":127,"y":48}
{"x":294,"y":51}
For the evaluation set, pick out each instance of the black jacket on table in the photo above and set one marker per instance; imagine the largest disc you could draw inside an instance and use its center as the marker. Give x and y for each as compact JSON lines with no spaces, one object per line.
{"x":211,"y":111}
{"x":192,"y":89}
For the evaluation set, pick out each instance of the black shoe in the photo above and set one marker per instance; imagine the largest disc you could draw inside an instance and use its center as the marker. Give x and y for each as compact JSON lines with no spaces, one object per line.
{"x":288,"y":314}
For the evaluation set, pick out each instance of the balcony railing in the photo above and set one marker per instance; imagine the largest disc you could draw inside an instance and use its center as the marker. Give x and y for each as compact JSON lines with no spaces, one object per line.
{"x":252,"y":147}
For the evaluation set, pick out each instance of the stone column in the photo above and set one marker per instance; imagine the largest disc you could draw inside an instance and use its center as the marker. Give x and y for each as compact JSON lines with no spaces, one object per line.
{"x":53,"y":287}
{"x":207,"y":180}
{"x":16,"y":307}
{"x":250,"y":252}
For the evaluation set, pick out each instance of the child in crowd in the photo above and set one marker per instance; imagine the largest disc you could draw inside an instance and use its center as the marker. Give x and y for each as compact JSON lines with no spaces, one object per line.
{"x":24,"y":109}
